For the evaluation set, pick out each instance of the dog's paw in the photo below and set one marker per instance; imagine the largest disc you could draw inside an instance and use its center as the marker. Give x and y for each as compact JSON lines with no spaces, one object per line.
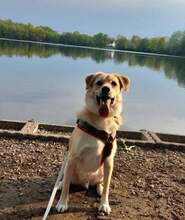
{"x":104,"y":207}
{"x":61,"y":206}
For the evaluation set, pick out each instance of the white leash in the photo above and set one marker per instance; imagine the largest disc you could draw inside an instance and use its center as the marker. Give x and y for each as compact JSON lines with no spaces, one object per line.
{"x":56,"y":187}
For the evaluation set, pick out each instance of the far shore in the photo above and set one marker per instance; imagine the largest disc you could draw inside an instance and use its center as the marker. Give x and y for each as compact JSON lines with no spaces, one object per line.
{"x":94,"y":48}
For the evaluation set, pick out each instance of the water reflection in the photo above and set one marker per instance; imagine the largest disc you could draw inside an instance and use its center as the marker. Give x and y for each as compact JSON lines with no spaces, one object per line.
{"x":173,"y":68}
{"x":47,"y":83}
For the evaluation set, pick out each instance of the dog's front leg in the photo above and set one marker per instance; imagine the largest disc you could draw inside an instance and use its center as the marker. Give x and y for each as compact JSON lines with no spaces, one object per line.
{"x":108,"y":167}
{"x":62,"y":204}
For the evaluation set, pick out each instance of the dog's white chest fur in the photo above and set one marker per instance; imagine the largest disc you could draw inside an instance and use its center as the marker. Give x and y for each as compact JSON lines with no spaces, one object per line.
{"x":87,"y":156}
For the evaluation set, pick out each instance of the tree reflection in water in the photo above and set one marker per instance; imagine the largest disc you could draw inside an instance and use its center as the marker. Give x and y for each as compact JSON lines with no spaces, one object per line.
{"x":173,"y":68}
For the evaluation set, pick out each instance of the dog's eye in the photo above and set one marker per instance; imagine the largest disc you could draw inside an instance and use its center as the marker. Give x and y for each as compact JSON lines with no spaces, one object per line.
{"x":99,"y":83}
{"x":114,"y":83}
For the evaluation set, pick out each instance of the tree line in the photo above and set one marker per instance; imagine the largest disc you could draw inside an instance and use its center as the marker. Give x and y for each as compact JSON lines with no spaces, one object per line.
{"x":174,"y":45}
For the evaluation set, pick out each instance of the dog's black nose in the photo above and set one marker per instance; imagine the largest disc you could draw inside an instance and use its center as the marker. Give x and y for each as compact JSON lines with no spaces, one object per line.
{"x":105,"y":90}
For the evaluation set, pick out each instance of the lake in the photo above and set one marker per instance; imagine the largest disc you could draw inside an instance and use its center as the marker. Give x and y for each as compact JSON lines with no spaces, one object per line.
{"x":47,"y":83}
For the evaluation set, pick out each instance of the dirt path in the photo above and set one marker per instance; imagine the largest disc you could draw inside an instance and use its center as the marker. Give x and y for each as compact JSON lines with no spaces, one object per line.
{"x":146,"y":184}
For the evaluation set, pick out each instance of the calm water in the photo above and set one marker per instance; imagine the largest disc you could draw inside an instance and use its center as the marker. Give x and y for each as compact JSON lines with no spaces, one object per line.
{"x":47,"y":83}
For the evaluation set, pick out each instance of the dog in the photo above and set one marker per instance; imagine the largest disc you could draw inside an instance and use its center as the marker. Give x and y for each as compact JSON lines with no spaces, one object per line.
{"x":87,"y":163}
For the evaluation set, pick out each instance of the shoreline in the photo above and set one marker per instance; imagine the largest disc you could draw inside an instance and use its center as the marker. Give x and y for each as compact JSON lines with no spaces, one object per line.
{"x":32,"y":129}
{"x":94,"y":48}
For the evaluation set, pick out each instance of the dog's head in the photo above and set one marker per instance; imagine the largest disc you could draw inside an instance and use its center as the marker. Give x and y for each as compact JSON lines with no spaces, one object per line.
{"x":103,"y":95}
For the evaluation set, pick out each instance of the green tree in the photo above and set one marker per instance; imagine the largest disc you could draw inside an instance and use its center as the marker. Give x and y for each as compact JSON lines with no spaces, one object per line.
{"x":122,"y":43}
{"x":173,"y":45}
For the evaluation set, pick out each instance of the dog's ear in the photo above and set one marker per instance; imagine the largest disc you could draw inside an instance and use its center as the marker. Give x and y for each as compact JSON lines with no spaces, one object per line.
{"x":89,"y":80}
{"x":124,"y":82}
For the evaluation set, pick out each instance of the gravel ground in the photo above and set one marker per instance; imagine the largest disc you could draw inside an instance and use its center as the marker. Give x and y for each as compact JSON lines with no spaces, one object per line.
{"x":146,"y":184}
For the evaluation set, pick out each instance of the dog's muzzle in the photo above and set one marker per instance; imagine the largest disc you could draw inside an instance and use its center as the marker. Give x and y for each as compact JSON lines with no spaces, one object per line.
{"x":104,"y":101}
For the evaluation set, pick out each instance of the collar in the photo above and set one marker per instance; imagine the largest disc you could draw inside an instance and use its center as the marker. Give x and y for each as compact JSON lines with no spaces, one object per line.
{"x":99,"y":134}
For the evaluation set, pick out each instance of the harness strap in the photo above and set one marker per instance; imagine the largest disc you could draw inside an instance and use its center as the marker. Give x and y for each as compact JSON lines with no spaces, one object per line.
{"x":102,"y":135}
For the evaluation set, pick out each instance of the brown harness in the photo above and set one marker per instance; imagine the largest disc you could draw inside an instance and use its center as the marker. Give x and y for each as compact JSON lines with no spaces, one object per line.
{"x":102,"y":135}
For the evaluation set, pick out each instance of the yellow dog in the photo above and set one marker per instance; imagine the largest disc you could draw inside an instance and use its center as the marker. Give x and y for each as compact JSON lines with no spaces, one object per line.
{"x":92,"y":145}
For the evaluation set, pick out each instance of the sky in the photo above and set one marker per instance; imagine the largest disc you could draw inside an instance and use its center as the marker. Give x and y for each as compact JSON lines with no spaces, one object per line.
{"x":146,"y":18}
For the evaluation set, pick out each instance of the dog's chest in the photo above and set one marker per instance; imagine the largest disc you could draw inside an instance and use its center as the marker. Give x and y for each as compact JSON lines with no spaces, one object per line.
{"x":90,"y":157}
{"x":88,"y":167}
{"x":87,"y":150}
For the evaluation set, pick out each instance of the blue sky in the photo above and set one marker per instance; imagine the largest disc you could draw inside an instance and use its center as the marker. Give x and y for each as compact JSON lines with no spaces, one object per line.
{"x":114,"y":17}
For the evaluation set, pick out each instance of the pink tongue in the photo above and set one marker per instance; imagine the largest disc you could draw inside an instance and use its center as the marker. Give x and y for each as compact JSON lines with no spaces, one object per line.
{"x":104,"y":109}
